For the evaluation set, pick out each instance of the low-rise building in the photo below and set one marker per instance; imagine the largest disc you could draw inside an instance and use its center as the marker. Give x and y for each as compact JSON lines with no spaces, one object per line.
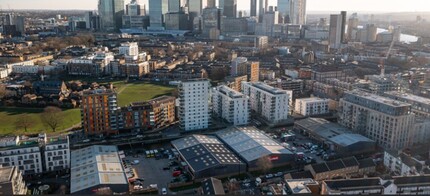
{"x":306,"y":186}
{"x":361,"y":186}
{"x":97,"y":168}
{"x":11,"y":182}
{"x":344,"y":167}
{"x":412,"y":185}
{"x":212,"y":186}
{"x":403,"y":164}
{"x":207,"y":156}
{"x":311,"y":106}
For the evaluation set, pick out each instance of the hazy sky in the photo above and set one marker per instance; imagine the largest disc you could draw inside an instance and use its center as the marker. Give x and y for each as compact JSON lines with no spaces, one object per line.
{"x":312,"y":5}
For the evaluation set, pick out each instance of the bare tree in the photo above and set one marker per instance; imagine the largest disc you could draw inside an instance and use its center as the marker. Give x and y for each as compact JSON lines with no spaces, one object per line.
{"x":52,"y":117}
{"x":2,"y":91}
{"x":264,"y":164}
{"x":24,"y":122}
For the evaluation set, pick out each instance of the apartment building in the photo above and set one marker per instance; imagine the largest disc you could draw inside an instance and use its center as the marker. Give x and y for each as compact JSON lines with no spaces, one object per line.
{"x":21,"y":152}
{"x":311,"y":106}
{"x":56,"y":153}
{"x":98,"y":109}
{"x":11,"y":182}
{"x":129,"y":49}
{"x":412,"y":185}
{"x":360,"y":186}
{"x":241,"y":66}
{"x":230,"y":105}
{"x":164,"y":110}
{"x":386,"y":121}
{"x":135,"y":116}
{"x":235,"y":82}
{"x":404,"y":164}
{"x":194,"y":111}
{"x":420,"y":105}
{"x":269,"y":102}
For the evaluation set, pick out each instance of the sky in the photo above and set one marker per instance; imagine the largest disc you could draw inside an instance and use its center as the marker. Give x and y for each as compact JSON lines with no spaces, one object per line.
{"x":312,"y":5}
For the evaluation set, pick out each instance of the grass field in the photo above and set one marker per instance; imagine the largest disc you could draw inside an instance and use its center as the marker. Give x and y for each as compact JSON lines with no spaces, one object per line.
{"x":141,"y":92}
{"x":128,"y":93}
{"x":9,"y":115}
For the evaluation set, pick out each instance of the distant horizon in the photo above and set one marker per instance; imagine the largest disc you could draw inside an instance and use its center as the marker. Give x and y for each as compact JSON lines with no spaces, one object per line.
{"x":366,"y":6}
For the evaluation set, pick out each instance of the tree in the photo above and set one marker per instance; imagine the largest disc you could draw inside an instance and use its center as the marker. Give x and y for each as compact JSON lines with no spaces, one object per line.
{"x":52,"y":117}
{"x":2,"y":91}
{"x":264,"y":163}
{"x":24,"y":122}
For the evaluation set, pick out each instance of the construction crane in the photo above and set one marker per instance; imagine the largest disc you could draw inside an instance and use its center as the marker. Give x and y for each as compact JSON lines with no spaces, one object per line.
{"x":382,"y":60}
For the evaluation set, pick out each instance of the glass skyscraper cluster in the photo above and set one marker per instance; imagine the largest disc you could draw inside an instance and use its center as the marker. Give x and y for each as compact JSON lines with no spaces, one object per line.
{"x":111,"y":12}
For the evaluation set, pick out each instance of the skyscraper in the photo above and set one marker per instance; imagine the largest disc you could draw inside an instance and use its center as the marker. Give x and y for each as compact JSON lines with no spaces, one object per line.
{"x":343,"y":27}
{"x":133,"y":8}
{"x":157,"y":9}
{"x":352,"y":27}
{"x":335,"y":31}
{"x":175,"y":5}
{"x":298,"y":12}
{"x":284,"y":7}
{"x":211,"y":19}
{"x":211,"y":3}
{"x":196,"y":6}
{"x":230,"y":8}
{"x":257,"y":9}
{"x":111,"y":12}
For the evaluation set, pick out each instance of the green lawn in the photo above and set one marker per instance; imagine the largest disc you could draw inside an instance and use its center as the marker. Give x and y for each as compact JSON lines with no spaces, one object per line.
{"x":135,"y":92}
{"x":8,"y":116}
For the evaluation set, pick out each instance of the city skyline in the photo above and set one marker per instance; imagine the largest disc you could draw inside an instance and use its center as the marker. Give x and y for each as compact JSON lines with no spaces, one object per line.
{"x":312,"y":5}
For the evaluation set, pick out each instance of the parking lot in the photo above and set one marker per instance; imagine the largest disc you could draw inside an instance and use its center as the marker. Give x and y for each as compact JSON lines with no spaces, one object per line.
{"x":156,"y":168}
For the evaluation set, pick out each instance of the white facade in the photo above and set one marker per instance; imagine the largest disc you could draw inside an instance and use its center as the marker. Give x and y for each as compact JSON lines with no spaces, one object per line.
{"x":230,"y":105}
{"x":384,"y":120}
{"x":395,"y":164}
{"x":311,"y":106}
{"x":194,"y":113}
{"x":4,"y":73}
{"x":269,"y":102}
{"x":129,"y":49}
{"x":24,"y":154}
{"x":57,"y":153}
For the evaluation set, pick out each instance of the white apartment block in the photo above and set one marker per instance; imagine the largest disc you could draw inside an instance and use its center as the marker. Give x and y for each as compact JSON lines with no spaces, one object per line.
{"x":230,"y":105}
{"x":269,"y":102}
{"x":386,"y":121}
{"x":35,"y":155}
{"x":129,"y":49}
{"x":23,"y":153}
{"x":57,"y":153}
{"x":311,"y":106}
{"x":194,"y":112}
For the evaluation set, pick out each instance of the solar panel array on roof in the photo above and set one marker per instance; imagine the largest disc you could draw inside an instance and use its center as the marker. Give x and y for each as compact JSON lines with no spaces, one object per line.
{"x":203,"y":152}
{"x":250,"y":143}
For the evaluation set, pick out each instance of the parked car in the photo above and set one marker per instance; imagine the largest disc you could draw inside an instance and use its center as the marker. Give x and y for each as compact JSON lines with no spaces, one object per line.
{"x":279,"y":174}
{"x":176,"y":173}
{"x":164,"y":191}
{"x":268,"y":176}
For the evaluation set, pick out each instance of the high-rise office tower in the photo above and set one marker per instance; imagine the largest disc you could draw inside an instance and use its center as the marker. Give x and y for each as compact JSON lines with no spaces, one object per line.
{"x":196,"y":6}
{"x":111,"y":12}
{"x":175,"y":5}
{"x":211,"y":3}
{"x":194,"y":113}
{"x":284,"y":7}
{"x":230,"y":8}
{"x":133,"y":8}
{"x":88,"y":19}
{"x":221,"y":4}
{"x":343,"y":27}
{"x":257,"y":9}
{"x":157,"y":9}
{"x":211,"y":20}
{"x":98,"y":109}
{"x":298,"y":12}
{"x":335,"y":31}
{"x":20,"y":24}
{"x":352,"y":27}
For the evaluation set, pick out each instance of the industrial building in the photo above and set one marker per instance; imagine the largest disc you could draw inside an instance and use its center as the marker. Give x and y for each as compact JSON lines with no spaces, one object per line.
{"x":97,"y":168}
{"x":251,"y":144}
{"x":335,"y":137}
{"x":206,"y":156}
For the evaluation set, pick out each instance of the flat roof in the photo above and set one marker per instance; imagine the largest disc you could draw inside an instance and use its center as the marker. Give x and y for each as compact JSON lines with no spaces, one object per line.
{"x":377,"y":98}
{"x":5,"y":174}
{"x":354,"y":183}
{"x":299,"y":186}
{"x":230,"y":92}
{"x":95,"y":165}
{"x":312,"y":99}
{"x":250,"y":143}
{"x":265,"y":87}
{"x":409,"y":97}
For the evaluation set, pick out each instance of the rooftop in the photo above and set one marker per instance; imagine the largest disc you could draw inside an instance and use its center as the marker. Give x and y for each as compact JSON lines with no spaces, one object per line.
{"x":299,"y":186}
{"x":250,"y":143}
{"x":409,"y":97}
{"x":230,"y":92}
{"x":377,"y":98}
{"x":95,"y":165}
{"x":264,"y":87}
{"x":212,"y":186}
{"x":412,"y":180}
{"x":312,"y":99}
{"x":5,"y":174}
{"x":351,"y":184}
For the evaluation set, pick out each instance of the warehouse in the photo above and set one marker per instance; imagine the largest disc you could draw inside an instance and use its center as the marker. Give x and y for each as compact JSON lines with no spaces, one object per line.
{"x":97,"y":168}
{"x":335,"y":137}
{"x":206,"y":156}
{"x":251,"y":144}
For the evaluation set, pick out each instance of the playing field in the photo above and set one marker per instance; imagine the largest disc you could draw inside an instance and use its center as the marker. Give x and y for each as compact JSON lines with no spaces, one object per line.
{"x":9,"y":115}
{"x":135,"y":92}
